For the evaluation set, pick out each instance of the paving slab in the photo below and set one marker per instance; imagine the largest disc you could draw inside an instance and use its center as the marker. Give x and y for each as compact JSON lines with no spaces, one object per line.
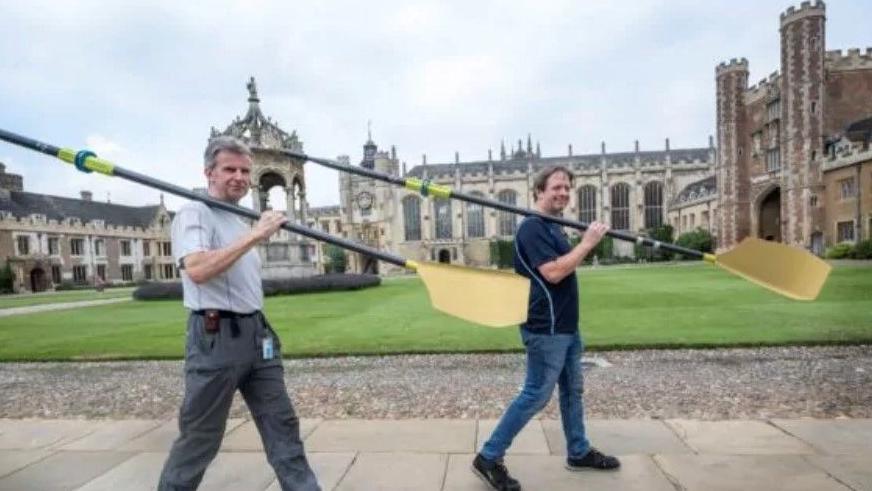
{"x":12,"y":460}
{"x":329,"y":467}
{"x":832,"y":436}
{"x":746,"y":473}
{"x":138,"y":473}
{"x":235,"y":471}
{"x":395,"y":471}
{"x":63,"y":471}
{"x":531,"y":440}
{"x":853,"y":470}
{"x":547,"y":472}
{"x":422,"y":435}
{"x":620,"y":437}
{"x":246,"y":438}
{"x":740,"y":437}
{"x":109,"y":435}
{"x":161,"y":438}
{"x":39,"y":433}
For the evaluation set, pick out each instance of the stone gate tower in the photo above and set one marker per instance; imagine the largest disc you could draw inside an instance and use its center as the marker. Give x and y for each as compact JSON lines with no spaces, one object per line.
{"x":286,"y":254}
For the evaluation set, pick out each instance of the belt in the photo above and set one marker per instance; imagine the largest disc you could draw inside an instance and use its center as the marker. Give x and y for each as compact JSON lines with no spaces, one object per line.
{"x":228,"y":314}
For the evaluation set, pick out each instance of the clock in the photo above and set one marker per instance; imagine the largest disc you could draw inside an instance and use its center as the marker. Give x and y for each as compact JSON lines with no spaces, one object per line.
{"x":364,"y":200}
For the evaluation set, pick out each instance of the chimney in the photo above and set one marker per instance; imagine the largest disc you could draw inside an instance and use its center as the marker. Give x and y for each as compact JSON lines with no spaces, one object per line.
{"x":87,"y":195}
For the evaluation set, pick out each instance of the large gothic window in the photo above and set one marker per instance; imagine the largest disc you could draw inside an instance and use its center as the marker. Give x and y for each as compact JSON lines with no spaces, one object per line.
{"x":587,"y":203}
{"x":653,"y":204}
{"x":475,"y":218}
{"x":621,"y":206}
{"x":412,"y":217}
{"x":442,"y":211}
{"x":508,"y":222}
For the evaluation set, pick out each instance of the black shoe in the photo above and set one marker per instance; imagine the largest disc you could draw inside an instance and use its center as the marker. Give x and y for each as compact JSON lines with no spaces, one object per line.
{"x":495,"y":474}
{"x":594,"y":459}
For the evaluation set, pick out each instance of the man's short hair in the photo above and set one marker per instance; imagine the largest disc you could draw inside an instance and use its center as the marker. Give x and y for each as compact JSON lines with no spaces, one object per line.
{"x":541,"y":178}
{"x":224,"y":143}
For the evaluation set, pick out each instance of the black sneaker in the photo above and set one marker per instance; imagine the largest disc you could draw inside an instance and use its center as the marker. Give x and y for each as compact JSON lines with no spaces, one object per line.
{"x":495,"y":474}
{"x":594,"y":459}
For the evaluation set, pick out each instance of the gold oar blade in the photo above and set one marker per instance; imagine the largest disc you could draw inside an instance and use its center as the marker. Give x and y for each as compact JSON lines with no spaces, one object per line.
{"x":792,"y":272}
{"x":483,"y":296}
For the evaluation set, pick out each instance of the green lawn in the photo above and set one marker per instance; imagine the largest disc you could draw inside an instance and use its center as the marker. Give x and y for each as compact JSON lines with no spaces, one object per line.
{"x":9,"y":301}
{"x":660,"y":306}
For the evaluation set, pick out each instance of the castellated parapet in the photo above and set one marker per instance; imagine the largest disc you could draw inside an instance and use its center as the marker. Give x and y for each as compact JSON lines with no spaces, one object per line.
{"x":853,"y":60}
{"x":766,"y":86}
{"x":806,"y":9}
{"x":740,"y":64}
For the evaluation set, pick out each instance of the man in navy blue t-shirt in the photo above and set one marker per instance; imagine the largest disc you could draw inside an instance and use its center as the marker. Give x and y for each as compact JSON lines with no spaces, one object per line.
{"x":550,"y":335}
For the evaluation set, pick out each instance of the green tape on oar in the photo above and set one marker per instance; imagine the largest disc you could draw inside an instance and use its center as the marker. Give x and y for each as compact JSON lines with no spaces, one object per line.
{"x":426,"y":188}
{"x":91,"y":162}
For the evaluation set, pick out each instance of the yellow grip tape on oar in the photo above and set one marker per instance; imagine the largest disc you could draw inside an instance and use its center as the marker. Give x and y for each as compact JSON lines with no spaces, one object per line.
{"x":426,"y":188}
{"x":89,"y":162}
{"x":710,"y":258}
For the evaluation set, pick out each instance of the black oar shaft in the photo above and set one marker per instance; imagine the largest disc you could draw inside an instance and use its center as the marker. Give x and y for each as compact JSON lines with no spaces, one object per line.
{"x":186,"y":193}
{"x":248,"y":213}
{"x":30,"y":143}
{"x":361,"y":171}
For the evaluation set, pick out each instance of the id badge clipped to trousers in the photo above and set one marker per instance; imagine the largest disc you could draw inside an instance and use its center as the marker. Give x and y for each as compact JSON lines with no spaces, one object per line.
{"x":267,"y":345}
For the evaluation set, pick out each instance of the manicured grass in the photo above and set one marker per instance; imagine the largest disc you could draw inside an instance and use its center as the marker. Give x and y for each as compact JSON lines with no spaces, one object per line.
{"x":9,"y":301}
{"x":660,"y":306}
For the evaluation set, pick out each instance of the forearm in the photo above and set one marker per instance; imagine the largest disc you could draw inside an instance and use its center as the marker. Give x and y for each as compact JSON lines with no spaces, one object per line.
{"x":205,"y":265}
{"x":558,"y":269}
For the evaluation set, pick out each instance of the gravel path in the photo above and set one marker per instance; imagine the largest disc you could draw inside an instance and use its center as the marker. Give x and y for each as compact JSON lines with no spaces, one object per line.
{"x":699,"y":384}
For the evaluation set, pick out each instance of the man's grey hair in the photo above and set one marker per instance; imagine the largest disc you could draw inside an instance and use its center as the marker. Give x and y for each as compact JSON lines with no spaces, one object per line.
{"x":224,"y":143}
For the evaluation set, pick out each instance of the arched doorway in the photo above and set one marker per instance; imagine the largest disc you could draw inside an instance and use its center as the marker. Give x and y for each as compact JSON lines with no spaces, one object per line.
{"x":444,"y":256}
{"x":38,"y":282}
{"x":770,"y":216}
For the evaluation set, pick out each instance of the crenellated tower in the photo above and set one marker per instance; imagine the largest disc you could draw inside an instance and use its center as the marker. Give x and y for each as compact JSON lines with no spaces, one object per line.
{"x":732,"y":166}
{"x":802,"y":123}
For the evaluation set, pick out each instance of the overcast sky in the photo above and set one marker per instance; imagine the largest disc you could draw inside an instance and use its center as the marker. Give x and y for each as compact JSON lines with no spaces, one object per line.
{"x":142,"y":84}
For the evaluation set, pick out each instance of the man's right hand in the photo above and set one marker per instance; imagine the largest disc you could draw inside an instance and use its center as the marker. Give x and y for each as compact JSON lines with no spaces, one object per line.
{"x":270,"y":221}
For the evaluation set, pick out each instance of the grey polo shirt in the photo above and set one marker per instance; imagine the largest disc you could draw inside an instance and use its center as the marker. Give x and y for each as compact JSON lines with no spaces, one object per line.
{"x":196,"y":227}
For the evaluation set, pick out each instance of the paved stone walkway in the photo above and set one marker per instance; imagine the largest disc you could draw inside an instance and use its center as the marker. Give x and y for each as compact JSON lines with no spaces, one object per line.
{"x":435,"y":454}
{"x":47,"y":307}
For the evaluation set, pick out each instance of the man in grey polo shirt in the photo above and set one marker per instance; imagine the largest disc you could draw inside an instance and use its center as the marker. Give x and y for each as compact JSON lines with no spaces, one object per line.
{"x":230,"y":345}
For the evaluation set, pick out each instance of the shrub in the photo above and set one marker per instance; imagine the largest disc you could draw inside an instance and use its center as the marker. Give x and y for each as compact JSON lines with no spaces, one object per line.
{"x":336,"y":259}
{"x":604,"y":252}
{"x":69,"y":285}
{"x":320,"y":283}
{"x":840,"y":251}
{"x":863,"y":249}
{"x":664,"y":234}
{"x":7,"y":279}
{"x":502,"y":253}
{"x":699,"y":239}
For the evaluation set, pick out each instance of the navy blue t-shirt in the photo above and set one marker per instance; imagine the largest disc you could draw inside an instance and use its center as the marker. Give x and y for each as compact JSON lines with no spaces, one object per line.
{"x":553,"y":308}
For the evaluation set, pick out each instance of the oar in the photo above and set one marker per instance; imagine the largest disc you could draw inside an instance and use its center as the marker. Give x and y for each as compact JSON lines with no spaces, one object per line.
{"x":792,"y":272}
{"x":488,"y":297}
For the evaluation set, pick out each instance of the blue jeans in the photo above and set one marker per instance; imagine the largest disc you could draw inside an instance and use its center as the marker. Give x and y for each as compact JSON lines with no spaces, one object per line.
{"x":551,"y":360}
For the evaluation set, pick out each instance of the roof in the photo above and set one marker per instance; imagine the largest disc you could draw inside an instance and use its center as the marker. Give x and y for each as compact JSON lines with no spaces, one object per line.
{"x":703,"y":188}
{"x":590,"y":161}
{"x":23,"y":204}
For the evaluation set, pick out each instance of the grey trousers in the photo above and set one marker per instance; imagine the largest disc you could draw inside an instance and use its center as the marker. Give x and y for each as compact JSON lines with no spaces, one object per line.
{"x":216,"y":365}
